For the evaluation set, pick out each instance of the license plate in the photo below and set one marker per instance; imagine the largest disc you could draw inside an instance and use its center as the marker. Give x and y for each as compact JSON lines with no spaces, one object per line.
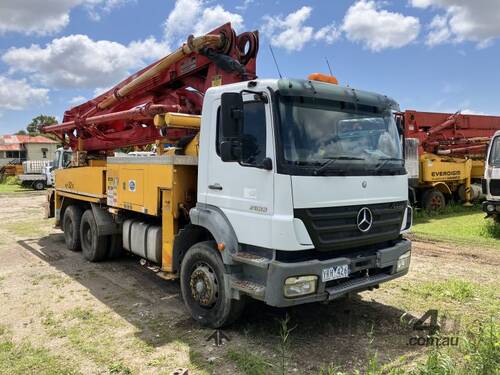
{"x":335,"y":272}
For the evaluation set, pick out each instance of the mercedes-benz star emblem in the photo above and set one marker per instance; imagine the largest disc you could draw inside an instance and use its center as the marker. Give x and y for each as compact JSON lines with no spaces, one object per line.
{"x":365,"y":219}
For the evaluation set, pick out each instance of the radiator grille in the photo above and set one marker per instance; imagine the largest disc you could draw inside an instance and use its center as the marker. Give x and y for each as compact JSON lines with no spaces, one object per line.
{"x":335,"y":228}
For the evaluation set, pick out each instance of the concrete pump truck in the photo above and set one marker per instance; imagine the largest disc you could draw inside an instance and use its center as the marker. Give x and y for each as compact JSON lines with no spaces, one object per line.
{"x":285,"y":191}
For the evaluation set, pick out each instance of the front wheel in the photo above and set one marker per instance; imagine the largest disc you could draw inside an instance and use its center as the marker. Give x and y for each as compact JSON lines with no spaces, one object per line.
{"x":203,"y":287}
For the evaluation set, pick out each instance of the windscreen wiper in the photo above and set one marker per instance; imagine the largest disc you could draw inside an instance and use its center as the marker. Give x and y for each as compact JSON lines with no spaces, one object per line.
{"x":331,"y":161}
{"x":384,"y":161}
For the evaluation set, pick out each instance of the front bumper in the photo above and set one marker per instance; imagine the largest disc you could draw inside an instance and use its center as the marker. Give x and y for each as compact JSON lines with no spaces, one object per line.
{"x":487,"y":205}
{"x":376,"y":268}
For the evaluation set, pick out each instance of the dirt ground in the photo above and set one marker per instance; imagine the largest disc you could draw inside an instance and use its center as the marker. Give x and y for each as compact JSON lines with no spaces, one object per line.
{"x":118,"y":317}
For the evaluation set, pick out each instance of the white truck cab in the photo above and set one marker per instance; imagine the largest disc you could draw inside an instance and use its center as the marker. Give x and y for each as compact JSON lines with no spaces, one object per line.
{"x":491,"y":181}
{"x":307,"y":184}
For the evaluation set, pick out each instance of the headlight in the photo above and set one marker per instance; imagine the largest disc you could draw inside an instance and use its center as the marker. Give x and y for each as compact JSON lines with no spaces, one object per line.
{"x":490,"y":208}
{"x":403,"y":262}
{"x":300,"y":286}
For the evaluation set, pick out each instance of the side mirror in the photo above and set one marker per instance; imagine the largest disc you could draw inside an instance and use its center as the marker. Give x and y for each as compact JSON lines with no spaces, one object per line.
{"x":231,"y":126}
{"x":400,"y":124}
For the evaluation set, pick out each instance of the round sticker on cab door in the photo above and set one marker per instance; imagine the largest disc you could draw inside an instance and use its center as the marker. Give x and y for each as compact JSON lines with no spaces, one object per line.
{"x":131,"y":185}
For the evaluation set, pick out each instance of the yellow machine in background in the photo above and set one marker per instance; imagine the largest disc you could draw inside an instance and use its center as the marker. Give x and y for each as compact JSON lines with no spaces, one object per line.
{"x":445,"y":156}
{"x":450,"y":176}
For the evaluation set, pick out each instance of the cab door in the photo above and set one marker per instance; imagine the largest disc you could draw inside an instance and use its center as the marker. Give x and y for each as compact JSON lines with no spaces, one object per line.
{"x":243,"y":190}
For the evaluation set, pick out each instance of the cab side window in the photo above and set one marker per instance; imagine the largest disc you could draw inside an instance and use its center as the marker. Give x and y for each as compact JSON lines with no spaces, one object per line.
{"x":254,"y":134}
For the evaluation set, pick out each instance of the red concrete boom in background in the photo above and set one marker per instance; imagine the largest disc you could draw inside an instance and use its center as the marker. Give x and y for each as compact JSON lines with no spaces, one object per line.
{"x":123,"y":116}
{"x":451,"y":134}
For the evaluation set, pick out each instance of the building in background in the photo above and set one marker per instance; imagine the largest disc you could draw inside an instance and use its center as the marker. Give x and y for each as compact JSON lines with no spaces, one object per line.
{"x":18,"y":148}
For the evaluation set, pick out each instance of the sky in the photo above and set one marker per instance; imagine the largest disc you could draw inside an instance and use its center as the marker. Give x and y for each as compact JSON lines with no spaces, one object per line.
{"x":429,"y":55}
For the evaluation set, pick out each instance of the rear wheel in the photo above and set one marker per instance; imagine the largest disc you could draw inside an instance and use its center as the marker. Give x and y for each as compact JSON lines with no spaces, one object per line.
{"x":71,"y":227}
{"x":203,"y":287}
{"x":433,"y":200}
{"x":38,"y":185}
{"x":94,"y":247}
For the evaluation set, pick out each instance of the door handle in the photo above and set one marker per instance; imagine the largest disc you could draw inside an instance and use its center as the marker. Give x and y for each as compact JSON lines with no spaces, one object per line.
{"x":215,"y":186}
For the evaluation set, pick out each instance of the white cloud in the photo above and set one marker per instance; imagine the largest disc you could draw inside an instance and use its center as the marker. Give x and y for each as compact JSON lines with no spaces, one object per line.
{"x":329,"y":34}
{"x":101,"y":90}
{"x":18,"y":94}
{"x":192,"y":17}
{"x":290,"y":32}
{"x":214,"y":17}
{"x":46,"y":17}
{"x":476,"y":21}
{"x":244,"y":6}
{"x":421,"y":3}
{"x":78,"y":61}
{"x":469,"y":111}
{"x":440,"y":32}
{"x":77,"y":100}
{"x":377,"y":29}
{"x":96,"y":7}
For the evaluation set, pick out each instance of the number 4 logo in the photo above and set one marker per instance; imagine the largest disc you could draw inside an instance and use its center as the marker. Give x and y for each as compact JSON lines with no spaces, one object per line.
{"x":432,"y":327}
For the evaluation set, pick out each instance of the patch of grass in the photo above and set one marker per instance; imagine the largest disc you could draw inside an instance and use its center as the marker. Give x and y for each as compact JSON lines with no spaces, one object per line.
{"x":490,"y":229}
{"x":23,"y":359}
{"x":11,"y":185}
{"x":88,"y":332}
{"x":451,"y":289}
{"x":481,"y":348}
{"x":457,"y":224}
{"x":249,"y":363}
{"x":52,"y":325}
{"x":478,"y":353}
{"x":29,"y":228}
{"x":55,"y":280}
{"x":119,"y":368}
{"x":451,"y":296}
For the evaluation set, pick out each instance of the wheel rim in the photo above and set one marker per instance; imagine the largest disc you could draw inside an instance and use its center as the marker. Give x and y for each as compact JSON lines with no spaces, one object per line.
{"x":436,"y":203}
{"x":204,"y":285}
{"x":87,"y":235}
{"x":69,"y":228}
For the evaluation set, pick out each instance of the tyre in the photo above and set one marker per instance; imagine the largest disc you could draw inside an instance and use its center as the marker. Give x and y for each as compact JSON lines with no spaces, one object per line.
{"x":94,"y":247}
{"x":115,"y":246}
{"x":38,"y":185}
{"x":433,"y":200}
{"x":71,"y":227}
{"x":204,"y":287}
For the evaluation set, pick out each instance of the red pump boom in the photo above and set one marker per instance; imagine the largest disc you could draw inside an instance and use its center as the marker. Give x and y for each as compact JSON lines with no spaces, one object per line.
{"x":123,"y":116}
{"x":451,"y":134}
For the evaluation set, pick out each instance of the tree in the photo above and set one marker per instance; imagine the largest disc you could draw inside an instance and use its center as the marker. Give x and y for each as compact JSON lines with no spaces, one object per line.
{"x":35,"y":126}
{"x":21,"y":132}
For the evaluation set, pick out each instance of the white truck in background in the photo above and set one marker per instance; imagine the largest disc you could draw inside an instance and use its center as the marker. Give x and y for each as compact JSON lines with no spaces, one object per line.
{"x":38,"y":174}
{"x":491,"y":181}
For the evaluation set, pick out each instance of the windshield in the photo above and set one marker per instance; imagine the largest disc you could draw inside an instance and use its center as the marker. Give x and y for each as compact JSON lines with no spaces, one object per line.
{"x":331,"y":137}
{"x":494,"y":158}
